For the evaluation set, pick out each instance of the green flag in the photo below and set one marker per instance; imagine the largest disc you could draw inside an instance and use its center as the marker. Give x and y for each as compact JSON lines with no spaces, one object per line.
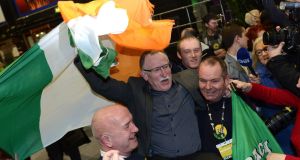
{"x":251,"y":139}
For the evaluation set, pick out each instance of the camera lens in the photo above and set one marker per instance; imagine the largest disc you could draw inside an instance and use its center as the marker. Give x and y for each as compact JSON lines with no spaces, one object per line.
{"x":281,"y":120}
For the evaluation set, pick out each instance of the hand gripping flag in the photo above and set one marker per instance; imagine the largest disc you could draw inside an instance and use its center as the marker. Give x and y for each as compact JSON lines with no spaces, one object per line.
{"x":251,"y":139}
{"x":43,"y":95}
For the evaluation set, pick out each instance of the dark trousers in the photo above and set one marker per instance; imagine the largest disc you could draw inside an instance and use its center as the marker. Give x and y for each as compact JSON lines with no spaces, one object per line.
{"x":56,"y":151}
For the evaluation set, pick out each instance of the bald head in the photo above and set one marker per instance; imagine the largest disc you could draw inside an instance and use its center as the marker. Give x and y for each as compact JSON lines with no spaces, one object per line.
{"x":114,"y":129}
{"x":106,"y":118}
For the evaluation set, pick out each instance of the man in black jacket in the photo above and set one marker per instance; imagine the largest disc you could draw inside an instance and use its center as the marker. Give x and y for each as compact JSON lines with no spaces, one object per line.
{"x":163,"y":106}
{"x":286,"y":73}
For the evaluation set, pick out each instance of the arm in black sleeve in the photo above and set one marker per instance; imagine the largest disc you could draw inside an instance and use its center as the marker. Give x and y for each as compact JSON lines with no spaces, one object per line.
{"x":114,"y":90}
{"x":285,"y":73}
{"x":278,"y":17}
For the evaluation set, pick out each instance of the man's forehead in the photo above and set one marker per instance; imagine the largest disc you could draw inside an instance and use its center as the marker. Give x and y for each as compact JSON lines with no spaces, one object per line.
{"x":187,"y":43}
{"x":213,"y":21}
{"x":125,"y":120}
{"x":157,"y":57}
{"x":206,"y":68}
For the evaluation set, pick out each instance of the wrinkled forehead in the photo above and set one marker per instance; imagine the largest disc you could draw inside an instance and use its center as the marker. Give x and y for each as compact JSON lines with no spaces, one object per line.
{"x":155,"y":60}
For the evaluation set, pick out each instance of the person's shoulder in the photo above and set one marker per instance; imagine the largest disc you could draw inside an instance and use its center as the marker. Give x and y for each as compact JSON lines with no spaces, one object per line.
{"x":137,"y":79}
{"x":186,"y":71}
{"x":202,"y":34}
{"x":185,"y":74}
{"x":229,"y":59}
{"x":136,"y":82}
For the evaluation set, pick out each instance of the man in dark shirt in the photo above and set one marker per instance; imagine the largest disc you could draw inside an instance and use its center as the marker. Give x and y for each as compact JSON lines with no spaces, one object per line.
{"x":162,"y":105}
{"x":216,"y":120}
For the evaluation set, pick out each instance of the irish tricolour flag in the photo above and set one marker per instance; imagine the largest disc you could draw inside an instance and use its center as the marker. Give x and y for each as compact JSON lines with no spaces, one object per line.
{"x":43,"y":95}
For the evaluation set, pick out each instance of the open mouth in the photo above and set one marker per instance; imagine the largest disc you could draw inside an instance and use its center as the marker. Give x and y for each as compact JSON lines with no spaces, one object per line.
{"x":165,"y":80}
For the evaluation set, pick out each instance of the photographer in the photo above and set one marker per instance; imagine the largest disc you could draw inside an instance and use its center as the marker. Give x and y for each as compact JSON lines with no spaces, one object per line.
{"x":285,"y":68}
{"x":283,"y":71}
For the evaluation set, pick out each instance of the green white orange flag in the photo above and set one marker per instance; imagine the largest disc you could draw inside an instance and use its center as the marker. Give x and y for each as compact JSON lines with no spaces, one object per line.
{"x":43,"y":95}
{"x":251,"y":139}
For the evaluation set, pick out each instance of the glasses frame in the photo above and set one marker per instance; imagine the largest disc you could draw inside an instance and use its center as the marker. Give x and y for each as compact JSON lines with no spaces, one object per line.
{"x":259,"y":52}
{"x":157,"y":69}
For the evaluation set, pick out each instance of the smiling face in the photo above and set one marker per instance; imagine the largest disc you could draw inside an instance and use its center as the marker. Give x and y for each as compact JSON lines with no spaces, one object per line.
{"x":157,"y":71}
{"x":261,"y":51}
{"x":190,"y":52}
{"x":113,"y":127}
{"x":123,"y":133}
{"x":212,"y":81}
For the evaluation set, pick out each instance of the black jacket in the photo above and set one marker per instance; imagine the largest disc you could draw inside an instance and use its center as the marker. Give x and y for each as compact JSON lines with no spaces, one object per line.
{"x":285,"y":73}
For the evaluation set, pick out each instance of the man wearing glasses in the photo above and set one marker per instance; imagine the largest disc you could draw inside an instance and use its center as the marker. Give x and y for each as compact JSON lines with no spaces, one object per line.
{"x":163,"y":107}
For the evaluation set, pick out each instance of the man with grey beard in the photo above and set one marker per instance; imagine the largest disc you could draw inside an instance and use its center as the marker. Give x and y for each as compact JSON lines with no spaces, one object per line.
{"x":163,"y":107}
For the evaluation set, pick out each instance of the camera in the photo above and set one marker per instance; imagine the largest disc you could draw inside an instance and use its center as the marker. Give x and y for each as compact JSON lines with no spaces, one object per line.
{"x":289,"y":34}
{"x":281,"y":120}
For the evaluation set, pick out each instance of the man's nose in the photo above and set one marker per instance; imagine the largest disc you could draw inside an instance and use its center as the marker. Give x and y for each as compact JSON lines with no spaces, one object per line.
{"x":208,"y":85}
{"x":193,"y":54}
{"x":163,"y":71}
{"x":134,"y":128}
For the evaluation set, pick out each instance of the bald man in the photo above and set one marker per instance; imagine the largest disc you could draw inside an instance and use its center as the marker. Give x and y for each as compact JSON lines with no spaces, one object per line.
{"x":114,"y":129}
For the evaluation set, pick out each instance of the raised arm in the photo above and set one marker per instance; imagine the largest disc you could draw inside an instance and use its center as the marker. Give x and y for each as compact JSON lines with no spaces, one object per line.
{"x":270,"y":95}
{"x":109,"y":88}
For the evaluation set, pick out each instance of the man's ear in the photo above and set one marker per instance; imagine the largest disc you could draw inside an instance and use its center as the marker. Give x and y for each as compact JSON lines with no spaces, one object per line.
{"x":144,"y":75}
{"x":237,"y":38}
{"x":106,"y":140}
{"x":178,"y":55}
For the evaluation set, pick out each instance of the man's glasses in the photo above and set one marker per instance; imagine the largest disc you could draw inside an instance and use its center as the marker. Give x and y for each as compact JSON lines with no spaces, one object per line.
{"x":259,"y":52}
{"x":158,"y":69}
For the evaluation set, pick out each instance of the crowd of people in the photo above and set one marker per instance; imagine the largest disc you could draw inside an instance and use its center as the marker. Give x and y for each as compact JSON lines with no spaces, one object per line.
{"x":183,"y":111}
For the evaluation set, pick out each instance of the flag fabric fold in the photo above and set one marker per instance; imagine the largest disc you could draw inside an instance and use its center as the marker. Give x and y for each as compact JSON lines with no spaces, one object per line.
{"x":128,"y":23}
{"x":251,"y":139}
